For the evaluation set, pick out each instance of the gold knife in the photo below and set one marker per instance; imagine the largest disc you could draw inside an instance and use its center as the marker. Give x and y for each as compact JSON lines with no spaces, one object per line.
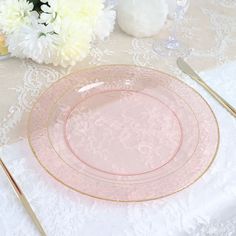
{"x":190,"y":72}
{"x":23,"y":199}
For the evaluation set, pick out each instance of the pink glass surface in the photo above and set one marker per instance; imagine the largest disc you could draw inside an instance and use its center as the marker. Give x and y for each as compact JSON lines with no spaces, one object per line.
{"x":123,"y":133}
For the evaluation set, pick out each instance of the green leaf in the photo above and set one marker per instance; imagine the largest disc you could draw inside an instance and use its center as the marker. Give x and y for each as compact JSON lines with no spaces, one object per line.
{"x":37,"y":4}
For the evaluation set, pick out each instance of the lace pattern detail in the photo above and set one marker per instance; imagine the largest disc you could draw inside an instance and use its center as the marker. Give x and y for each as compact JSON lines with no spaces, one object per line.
{"x":36,"y":78}
{"x":205,"y":228}
{"x":226,"y":3}
{"x":223,"y":27}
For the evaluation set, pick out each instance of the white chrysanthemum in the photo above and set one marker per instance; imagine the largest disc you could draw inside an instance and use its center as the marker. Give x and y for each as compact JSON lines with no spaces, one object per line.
{"x":14,"y":13}
{"x":35,"y":41}
{"x":105,"y":23}
{"x":84,"y":11}
{"x":90,"y":10}
{"x":61,"y":34}
{"x":73,"y":43}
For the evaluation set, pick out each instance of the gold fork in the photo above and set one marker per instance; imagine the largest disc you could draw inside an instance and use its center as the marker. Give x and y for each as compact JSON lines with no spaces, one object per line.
{"x":22,"y":198}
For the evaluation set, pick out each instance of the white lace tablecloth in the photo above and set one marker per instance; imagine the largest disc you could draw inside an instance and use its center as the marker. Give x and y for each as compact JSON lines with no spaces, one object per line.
{"x":206,"y":208}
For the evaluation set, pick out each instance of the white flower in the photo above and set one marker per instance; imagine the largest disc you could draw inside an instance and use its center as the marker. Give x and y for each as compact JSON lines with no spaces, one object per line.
{"x":61,"y":34}
{"x":84,"y":11}
{"x":73,"y":43}
{"x":14,"y":13}
{"x":89,"y":11}
{"x":105,"y":23}
{"x":35,"y":41}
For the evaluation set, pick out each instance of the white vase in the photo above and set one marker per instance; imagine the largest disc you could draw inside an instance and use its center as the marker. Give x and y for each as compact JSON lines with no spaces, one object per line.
{"x":142,"y":18}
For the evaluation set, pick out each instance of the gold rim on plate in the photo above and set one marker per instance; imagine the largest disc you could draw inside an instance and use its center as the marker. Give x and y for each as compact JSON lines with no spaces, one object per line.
{"x":125,"y":201}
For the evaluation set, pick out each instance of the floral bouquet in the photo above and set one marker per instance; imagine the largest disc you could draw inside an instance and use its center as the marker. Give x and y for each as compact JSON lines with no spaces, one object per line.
{"x":54,"y":31}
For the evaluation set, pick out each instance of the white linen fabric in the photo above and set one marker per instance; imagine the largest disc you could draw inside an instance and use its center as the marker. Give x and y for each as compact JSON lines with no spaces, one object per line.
{"x":207,"y":208}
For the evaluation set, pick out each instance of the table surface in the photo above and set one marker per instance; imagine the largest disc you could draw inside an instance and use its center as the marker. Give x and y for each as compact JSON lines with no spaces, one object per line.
{"x":210,"y":30}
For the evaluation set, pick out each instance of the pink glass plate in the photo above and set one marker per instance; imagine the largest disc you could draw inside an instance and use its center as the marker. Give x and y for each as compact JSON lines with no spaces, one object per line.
{"x":123,"y":133}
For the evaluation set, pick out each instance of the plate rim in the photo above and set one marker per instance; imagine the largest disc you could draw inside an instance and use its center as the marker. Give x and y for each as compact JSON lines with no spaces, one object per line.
{"x":134,"y":66}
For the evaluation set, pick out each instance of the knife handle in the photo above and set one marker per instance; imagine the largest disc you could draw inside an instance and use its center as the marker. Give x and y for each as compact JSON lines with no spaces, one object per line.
{"x":187,"y":69}
{"x":221,"y":100}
